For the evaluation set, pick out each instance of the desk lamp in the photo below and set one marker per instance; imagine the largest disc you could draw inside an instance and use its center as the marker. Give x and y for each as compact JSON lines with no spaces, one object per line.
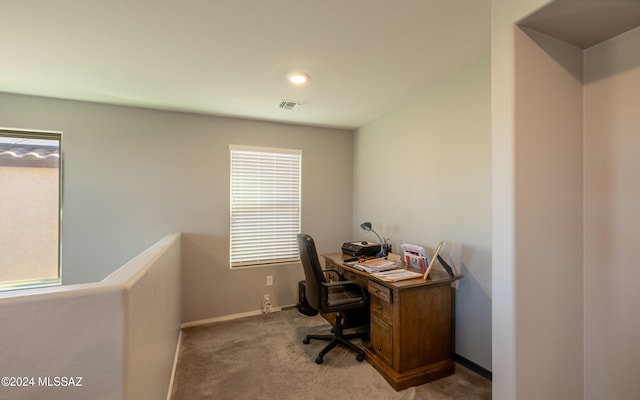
{"x":367,"y":227}
{"x":384,"y":246}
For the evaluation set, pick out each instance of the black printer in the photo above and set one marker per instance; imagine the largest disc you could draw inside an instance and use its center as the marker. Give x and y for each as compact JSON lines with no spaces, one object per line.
{"x":357,"y":249}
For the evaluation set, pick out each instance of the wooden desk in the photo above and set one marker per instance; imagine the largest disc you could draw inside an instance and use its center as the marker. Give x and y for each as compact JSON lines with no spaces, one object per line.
{"x":411,"y":328}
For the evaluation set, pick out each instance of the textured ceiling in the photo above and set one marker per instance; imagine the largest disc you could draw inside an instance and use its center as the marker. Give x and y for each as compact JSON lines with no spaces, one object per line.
{"x":231,"y":57}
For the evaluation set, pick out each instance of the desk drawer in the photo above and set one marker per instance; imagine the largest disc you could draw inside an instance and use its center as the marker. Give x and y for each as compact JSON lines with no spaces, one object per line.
{"x":382,"y":339}
{"x":382,"y":292}
{"x":351,"y":276}
{"x":381,"y":309}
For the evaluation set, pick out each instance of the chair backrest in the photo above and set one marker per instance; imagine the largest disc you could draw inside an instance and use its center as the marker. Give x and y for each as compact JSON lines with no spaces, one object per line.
{"x":312,"y":270}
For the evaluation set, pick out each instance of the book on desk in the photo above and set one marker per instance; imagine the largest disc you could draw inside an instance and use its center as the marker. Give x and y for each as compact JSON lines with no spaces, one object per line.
{"x":374,"y":265}
{"x":385,"y":270}
{"x":395,"y":275}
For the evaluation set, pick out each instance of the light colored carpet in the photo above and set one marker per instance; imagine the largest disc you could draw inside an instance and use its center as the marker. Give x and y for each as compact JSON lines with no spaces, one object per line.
{"x":263,"y":357}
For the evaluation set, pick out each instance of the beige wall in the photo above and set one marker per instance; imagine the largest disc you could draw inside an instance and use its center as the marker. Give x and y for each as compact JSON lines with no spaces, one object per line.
{"x":30,"y":223}
{"x":73,"y":331}
{"x":133,"y":175}
{"x":564,"y":124}
{"x":504,"y":14}
{"x":119,"y":335}
{"x":150,"y":285}
{"x":548,"y":214}
{"x":422,"y":174}
{"x":612,"y":218}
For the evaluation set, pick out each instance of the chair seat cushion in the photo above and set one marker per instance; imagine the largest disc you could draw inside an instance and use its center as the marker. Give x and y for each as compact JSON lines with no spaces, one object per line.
{"x":341,"y":295}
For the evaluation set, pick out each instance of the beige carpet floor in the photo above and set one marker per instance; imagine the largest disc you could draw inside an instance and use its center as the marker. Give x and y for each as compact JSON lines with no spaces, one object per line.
{"x":263,"y":357}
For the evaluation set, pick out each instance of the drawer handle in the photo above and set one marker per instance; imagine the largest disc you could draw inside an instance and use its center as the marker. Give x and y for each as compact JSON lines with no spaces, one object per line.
{"x":377,"y":290}
{"x":379,"y":307}
{"x":379,"y":348}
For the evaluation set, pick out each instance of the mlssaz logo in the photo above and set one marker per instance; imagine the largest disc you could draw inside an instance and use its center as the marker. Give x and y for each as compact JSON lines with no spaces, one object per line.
{"x":60,"y":381}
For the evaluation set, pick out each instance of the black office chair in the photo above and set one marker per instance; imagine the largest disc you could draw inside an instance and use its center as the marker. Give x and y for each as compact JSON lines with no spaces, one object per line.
{"x":331,"y":297}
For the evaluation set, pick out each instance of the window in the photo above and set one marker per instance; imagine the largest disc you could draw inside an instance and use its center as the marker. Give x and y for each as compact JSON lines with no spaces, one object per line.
{"x":265,"y":205}
{"x":29,"y":209}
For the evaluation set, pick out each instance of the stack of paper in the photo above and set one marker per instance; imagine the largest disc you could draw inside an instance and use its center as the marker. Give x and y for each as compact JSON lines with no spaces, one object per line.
{"x":375,"y":265}
{"x":397,"y":275}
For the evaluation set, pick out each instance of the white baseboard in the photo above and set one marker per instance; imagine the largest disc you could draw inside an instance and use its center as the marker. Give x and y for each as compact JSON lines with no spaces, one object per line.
{"x":231,"y":317}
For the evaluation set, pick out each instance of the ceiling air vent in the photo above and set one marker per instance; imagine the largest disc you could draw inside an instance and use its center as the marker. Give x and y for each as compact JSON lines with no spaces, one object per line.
{"x":290,"y":105}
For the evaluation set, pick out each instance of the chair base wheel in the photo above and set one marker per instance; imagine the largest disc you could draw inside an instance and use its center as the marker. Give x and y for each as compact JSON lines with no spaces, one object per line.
{"x":360,"y":357}
{"x":319,"y":360}
{"x":306,"y":341}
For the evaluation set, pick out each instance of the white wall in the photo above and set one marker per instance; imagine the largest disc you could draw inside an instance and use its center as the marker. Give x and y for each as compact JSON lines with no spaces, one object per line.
{"x":150,"y":285}
{"x":118,"y":335}
{"x":131,"y":175}
{"x":564,"y":126}
{"x":612,"y":218}
{"x":504,"y":14}
{"x":548,"y":214}
{"x":537,"y":171}
{"x":422,"y":175}
{"x":73,"y":331}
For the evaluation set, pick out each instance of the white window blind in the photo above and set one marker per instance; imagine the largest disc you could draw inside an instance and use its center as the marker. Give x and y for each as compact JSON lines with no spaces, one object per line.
{"x":265,"y":205}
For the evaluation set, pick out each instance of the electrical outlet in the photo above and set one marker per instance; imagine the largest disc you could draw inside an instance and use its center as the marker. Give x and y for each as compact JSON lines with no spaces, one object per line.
{"x":266,"y":303}
{"x":269,"y":280}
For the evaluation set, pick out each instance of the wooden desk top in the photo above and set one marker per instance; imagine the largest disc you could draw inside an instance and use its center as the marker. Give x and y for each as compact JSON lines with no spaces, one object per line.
{"x":437,"y":277}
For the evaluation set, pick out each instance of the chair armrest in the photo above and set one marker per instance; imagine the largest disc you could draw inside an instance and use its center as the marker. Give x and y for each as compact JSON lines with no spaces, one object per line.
{"x":331,"y":270}
{"x":344,"y":295}
{"x":338,"y":283}
{"x":346,"y":283}
{"x":340,"y":277}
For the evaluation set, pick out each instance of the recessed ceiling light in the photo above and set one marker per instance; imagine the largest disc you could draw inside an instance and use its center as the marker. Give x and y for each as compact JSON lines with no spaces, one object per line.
{"x":298,"y":78}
